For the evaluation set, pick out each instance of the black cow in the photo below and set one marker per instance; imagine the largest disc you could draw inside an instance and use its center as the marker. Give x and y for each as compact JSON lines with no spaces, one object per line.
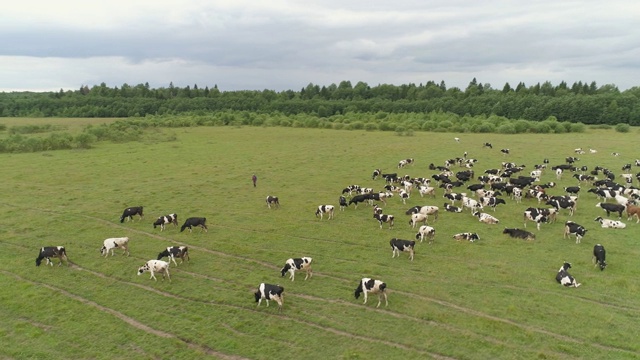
{"x":475,"y":187}
{"x":48,"y":252}
{"x":270,"y":292}
{"x":368,"y":285}
{"x":563,"y":277}
{"x":164,"y":220}
{"x":571,"y":228}
{"x":173,"y":252}
{"x":398,"y":245}
{"x":572,"y":189}
{"x":130,"y":212}
{"x":519,"y":234}
{"x":612,"y":208}
{"x":195,"y":222}
{"x":599,"y":256}
{"x":357,"y":199}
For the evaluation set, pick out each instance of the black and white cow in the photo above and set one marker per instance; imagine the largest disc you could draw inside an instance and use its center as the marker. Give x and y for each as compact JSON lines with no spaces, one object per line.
{"x":486,"y":218}
{"x":563,"y":203}
{"x":111,"y":244}
{"x":426,"y":231}
{"x":519,"y":234}
{"x":398,"y":245}
{"x":571,"y":228}
{"x":610,"y":224}
{"x":427,"y":210}
{"x":491,"y":202}
{"x":130,"y":212}
{"x":325,"y":209}
{"x":466,"y":236}
{"x":382,"y":218}
{"x":403,"y":195}
{"x":605,"y":193}
{"x":165,"y":220}
{"x":173,"y":252}
{"x":343,"y":203}
{"x":155,"y":266}
{"x":372,"y":286}
{"x":612,"y":208}
{"x":294,"y":264}
{"x":533,"y":214}
{"x":599,"y":256}
{"x":505,"y":151}
{"x":270,"y":292}
{"x":375,"y":174}
{"x":487,"y":144}
{"x":49,"y":252}
{"x":452,"y":208}
{"x":418,"y":218}
{"x":453,"y":197}
{"x":195,"y":222}
{"x":563,"y":277}
{"x":272,"y":200}
{"x":405,"y":162}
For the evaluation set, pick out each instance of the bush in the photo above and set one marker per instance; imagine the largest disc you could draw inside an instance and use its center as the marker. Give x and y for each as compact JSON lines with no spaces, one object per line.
{"x":577,"y":128}
{"x":371,"y":126}
{"x":623,"y":128}
{"x":507,"y":129}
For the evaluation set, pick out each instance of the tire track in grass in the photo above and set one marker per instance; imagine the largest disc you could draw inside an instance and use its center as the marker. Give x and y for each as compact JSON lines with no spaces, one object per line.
{"x":131,"y":321}
{"x":443,"y":303}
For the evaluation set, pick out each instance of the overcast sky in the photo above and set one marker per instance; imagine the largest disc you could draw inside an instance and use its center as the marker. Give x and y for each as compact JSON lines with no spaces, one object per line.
{"x":287,"y":44}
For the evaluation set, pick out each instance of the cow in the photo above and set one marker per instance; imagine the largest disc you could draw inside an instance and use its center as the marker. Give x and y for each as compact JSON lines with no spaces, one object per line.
{"x":372,"y":286}
{"x":563,"y":203}
{"x":343,"y":203}
{"x":536,"y":216}
{"x":375,"y":174}
{"x":427,"y":190}
{"x":294,"y":264}
{"x":504,"y":151}
{"x":166,"y":219}
{"x":155,"y":266}
{"x":572,"y":190}
{"x":49,"y":252}
{"x":426,"y":231}
{"x":325,"y":209}
{"x":427,"y":210}
{"x":174,"y":252}
{"x":270,"y":292}
{"x":403,"y":195}
{"x":616,"y":154}
{"x":471,"y":204}
{"x":599,"y":256}
{"x":195,"y":222}
{"x":519,"y":234}
{"x":384,"y":219}
{"x":475,"y":187}
{"x":563,"y":277}
{"x":130,"y":212}
{"x":272,"y":200}
{"x":111,"y":244}
{"x":357,"y":199}
{"x":398,"y":245}
{"x":487,"y":144}
{"x":485,"y":218}
{"x":610,"y":224}
{"x":417,"y":218}
{"x":633,"y":210}
{"x":452,"y":208}
{"x":578,"y":151}
{"x":403,"y":163}
{"x":604,"y":193}
{"x":612,"y":208}
{"x":571,"y":228}
{"x":453,"y":197}
{"x":466,"y":236}
{"x":491,"y":202}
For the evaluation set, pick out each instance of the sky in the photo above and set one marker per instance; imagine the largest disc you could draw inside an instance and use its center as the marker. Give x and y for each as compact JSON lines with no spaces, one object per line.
{"x":288,"y":44}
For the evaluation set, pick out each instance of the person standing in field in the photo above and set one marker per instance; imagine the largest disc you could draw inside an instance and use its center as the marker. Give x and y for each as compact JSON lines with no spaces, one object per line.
{"x":254,"y":178}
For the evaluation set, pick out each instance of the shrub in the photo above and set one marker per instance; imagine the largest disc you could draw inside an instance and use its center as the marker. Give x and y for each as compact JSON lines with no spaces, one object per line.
{"x":623,"y":128}
{"x":371,"y":126}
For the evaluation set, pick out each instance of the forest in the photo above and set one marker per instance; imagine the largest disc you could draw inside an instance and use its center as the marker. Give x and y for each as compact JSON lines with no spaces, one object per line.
{"x":585,"y":103}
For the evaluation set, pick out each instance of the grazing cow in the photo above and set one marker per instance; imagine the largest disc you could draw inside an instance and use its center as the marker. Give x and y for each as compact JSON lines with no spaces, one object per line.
{"x":195,"y":222}
{"x":485,"y":218}
{"x":427,"y":190}
{"x":390,"y":177}
{"x":270,"y":292}
{"x":611,"y":208}
{"x":604,"y":193}
{"x":427,"y":210}
{"x":357,"y":199}
{"x":559,"y":173}
{"x":466,"y":236}
{"x":377,"y":209}
{"x":536,"y":216}
{"x":519,"y":234}
{"x":457,"y":139}
{"x":130,"y":212}
{"x":505,"y":151}
{"x":615,"y":154}
{"x":610,"y":224}
{"x":404,"y":196}
{"x":398,"y":245}
{"x":626,"y":167}
{"x":403,"y":163}
{"x":417,"y":218}
{"x":487,"y":144}
{"x":599,"y":255}
{"x":155,"y":266}
{"x":372,"y":286}
{"x":633,"y":210}
{"x":452,"y":208}
{"x":471,"y":204}
{"x":49,"y":252}
{"x":174,"y":252}
{"x":167,"y":219}
{"x":111,"y":244}
{"x":294,"y":264}
{"x":475,"y":187}
{"x":491,"y":202}
{"x":375,"y":174}
{"x":384,"y":219}
{"x":343,"y":203}
{"x":325,"y":209}
{"x":272,"y":200}
{"x":454,"y":197}
{"x":563,"y":277}
{"x":571,"y":228}
{"x":426,"y":231}
{"x":540,"y":195}
{"x":563,"y":203}
{"x":572,"y":190}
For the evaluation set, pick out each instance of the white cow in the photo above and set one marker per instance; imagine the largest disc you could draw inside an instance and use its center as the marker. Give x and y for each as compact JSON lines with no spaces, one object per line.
{"x":426,"y":231}
{"x":417,"y":218}
{"x":111,"y":244}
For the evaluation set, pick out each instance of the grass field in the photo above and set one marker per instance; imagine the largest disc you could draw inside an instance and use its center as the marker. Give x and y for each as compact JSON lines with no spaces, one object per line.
{"x":496,"y":298}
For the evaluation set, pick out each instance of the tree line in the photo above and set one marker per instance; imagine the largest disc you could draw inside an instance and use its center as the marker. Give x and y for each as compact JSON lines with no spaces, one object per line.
{"x":584,"y":103}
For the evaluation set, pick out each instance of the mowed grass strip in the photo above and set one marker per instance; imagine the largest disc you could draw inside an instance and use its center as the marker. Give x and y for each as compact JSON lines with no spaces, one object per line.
{"x":493,"y":298}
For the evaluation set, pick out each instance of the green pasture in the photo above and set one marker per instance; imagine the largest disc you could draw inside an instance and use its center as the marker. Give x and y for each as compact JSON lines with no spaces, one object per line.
{"x":493,"y":299}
